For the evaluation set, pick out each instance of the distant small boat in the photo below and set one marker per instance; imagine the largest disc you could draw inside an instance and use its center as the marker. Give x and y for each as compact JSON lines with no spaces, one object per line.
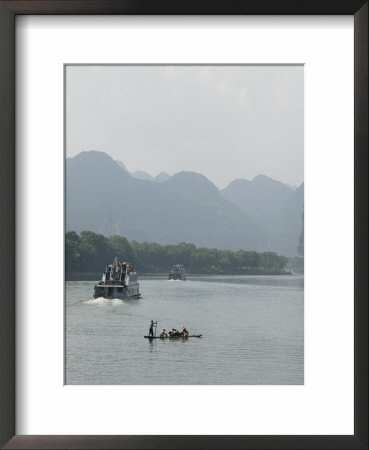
{"x":174,"y":337}
{"x":177,"y":272}
{"x":118,"y":281}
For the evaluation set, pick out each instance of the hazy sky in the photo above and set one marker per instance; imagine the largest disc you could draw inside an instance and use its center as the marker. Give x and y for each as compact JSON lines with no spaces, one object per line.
{"x":225,"y":122}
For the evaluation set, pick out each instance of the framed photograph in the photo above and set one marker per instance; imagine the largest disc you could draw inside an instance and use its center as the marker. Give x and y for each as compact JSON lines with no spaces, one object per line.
{"x":197,"y":247}
{"x":185,"y":226}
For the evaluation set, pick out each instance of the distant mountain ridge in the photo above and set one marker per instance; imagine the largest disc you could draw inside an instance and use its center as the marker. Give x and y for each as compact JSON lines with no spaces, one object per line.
{"x":102,"y":197}
{"x":276,"y":206}
{"x":142,"y":175}
{"x":162,"y":176}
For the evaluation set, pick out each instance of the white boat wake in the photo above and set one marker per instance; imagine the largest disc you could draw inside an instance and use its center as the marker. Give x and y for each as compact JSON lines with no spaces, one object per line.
{"x":105,"y":301}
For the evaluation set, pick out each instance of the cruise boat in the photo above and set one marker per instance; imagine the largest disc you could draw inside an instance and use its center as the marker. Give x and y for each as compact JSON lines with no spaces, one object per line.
{"x":119,"y":280}
{"x":177,"y":272}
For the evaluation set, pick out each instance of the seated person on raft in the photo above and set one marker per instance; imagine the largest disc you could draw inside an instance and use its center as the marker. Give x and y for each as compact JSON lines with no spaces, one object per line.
{"x":163,"y":334}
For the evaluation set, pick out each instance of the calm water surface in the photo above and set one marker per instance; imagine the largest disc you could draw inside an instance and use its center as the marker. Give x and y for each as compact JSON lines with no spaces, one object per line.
{"x":252,"y":326}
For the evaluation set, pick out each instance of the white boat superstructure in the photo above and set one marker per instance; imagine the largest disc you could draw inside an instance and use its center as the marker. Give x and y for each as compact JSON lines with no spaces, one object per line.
{"x":119,"y":280}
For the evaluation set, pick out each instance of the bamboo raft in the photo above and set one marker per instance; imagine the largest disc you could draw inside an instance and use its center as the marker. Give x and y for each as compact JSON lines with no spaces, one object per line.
{"x":174,"y":337}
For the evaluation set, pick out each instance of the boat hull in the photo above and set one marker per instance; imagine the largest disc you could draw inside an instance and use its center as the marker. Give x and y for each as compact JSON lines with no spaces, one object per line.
{"x":177,"y":277}
{"x":174,"y":337}
{"x":116,"y":291}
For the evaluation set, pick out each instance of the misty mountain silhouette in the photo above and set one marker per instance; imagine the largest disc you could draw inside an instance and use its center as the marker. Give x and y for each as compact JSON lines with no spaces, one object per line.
{"x":142,"y":175}
{"x":102,"y":197}
{"x":120,"y":164}
{"x":161,"y":177}
{"x":277,"y":207}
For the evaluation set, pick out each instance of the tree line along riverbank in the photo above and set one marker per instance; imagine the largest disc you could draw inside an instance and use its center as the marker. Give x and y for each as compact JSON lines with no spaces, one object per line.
{"x":89,"y":252}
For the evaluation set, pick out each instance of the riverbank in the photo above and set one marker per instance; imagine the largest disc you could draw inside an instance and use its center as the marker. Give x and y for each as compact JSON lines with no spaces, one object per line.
{"x":93,"y":276}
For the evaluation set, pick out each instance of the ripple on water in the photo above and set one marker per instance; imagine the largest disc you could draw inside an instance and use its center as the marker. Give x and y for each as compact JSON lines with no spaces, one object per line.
{"x":253,"y":332}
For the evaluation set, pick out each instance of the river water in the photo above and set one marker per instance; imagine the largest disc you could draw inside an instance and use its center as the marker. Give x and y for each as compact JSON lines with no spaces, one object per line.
{"x":252,"y":327}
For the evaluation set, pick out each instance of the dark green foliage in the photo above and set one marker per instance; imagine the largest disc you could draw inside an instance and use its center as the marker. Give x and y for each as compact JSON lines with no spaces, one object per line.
{"x":91,"y":252}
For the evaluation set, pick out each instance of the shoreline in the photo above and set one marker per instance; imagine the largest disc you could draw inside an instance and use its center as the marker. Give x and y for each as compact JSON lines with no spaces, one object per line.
{"x":93,"y":276}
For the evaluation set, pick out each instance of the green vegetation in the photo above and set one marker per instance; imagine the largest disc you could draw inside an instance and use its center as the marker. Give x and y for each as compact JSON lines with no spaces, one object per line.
{"x":90,"y":252}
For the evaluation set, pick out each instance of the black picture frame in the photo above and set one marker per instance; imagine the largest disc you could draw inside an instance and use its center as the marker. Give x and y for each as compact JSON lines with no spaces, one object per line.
{"x":8,"y":11}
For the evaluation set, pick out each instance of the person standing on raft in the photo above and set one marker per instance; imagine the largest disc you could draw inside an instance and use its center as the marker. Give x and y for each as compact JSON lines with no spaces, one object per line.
{"x":151,"y":330}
